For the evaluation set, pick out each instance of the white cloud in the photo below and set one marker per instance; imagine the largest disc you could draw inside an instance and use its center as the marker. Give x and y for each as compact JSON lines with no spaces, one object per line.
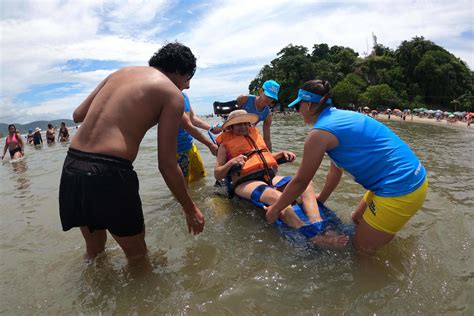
{"x":232,"y":39}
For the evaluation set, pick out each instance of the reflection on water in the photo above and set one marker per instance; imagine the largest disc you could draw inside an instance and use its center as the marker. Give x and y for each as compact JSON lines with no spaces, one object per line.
{"x":19,"y":169}
{"x":240,"y":265}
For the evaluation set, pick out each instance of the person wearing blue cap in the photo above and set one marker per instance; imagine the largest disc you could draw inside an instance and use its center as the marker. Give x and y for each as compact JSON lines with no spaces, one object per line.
{"x":370,"y":153}
{"x":29,"y":137}
{"x":260,"y":105}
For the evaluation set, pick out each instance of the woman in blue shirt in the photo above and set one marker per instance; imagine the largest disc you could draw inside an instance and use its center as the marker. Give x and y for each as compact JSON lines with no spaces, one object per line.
{"x":370,"y":153}
{"x":260,"y":105}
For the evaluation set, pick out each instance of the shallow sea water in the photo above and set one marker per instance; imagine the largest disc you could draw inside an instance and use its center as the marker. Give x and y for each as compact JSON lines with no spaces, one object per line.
{"x":240,"y":265}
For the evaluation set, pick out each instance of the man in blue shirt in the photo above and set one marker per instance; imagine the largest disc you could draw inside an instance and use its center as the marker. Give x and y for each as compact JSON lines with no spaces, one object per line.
{"x":188,"y":156}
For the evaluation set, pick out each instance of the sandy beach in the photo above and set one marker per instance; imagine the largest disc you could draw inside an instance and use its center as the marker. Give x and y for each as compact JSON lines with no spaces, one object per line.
{"x":425,"y":120}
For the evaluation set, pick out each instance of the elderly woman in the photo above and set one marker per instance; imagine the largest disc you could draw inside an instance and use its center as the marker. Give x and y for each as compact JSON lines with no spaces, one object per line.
{"x":370,"y":153}
{"x":242,"y":145}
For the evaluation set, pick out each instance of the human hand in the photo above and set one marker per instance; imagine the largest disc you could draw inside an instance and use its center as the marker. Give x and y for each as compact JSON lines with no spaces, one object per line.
{"x":289,"y":156}
{"x":239,"y":160}
{"x":270,"y":214}
{"x":213,"y":148}
{"x":195,"y":221}
{"x":216,"y":130}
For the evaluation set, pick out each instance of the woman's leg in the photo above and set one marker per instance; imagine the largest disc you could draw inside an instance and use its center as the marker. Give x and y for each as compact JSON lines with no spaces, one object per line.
{"x":18,"y":154}
{"x":358,"y":212}
{"x":269,"y":197}
{"x":310,"y":206}
{"x":368,"y":239}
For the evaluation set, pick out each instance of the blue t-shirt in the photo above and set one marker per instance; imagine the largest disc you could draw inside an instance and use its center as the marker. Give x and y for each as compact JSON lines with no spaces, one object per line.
{"x":185,"y":140}
{"x":250,"y":107}
{"x":371,"y":153}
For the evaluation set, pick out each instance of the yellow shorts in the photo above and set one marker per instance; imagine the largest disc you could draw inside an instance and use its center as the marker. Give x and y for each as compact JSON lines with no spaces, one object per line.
{"x":389,"y":214}
{"x":191,"y":164}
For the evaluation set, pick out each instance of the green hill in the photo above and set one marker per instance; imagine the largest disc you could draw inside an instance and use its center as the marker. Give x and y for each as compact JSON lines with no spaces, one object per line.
{"x":23,"y":128}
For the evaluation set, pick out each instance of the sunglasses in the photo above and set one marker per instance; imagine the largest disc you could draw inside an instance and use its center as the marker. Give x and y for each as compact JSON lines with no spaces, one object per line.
{"x":297,"y":106}
{"x":191,"y":74}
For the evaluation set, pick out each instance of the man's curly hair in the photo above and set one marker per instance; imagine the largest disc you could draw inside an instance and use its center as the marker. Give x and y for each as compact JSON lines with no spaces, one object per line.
{"x":174,"y":57}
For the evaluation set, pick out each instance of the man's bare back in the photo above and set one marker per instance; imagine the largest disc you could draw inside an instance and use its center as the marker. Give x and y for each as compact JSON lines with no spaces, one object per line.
{"x":99,"y":189}
{"x":122,"y":109}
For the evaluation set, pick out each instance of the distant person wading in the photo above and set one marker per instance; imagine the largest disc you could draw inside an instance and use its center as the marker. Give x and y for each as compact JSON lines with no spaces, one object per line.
{"x":14,"y":144}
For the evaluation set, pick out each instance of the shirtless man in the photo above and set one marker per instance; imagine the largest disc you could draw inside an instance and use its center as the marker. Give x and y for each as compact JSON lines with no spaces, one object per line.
{"x":99,"y":189}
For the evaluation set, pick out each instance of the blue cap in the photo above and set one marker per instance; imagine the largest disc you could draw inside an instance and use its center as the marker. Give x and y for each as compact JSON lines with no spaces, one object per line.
{"x":30,"y":130}
{"x":271,"y":89}
{"x":307,"y":96}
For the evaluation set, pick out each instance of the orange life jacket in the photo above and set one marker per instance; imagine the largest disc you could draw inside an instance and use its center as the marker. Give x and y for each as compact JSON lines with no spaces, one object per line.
{"x":252,"y":146}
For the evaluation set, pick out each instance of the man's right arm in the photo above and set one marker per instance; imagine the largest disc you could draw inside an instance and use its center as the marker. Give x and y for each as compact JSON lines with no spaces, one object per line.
{"x":81,"y":111}
{"x":168,"y":123}
{"x":187,"y":124}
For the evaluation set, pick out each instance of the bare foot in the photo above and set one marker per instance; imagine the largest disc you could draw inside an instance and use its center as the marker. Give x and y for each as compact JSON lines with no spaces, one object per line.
{"x":331,"y":240}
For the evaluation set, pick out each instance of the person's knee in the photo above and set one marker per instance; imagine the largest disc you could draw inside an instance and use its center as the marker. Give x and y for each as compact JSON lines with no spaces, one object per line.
{"x":287,"y":214}
{"x":271,"y":196}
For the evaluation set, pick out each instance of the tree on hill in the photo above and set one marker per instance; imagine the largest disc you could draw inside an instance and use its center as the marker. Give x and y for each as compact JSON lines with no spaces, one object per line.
{"x":347,"y":91}
{"x":418,"y":70}
{"x":379,"y":96}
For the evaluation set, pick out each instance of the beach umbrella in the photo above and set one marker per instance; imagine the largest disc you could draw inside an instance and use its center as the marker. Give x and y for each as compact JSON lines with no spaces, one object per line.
{"x":445,"y":113}
{"x":439,"y":111}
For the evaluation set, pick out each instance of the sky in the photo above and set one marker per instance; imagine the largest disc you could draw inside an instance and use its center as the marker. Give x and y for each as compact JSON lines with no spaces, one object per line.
{"x":55,"y":52}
